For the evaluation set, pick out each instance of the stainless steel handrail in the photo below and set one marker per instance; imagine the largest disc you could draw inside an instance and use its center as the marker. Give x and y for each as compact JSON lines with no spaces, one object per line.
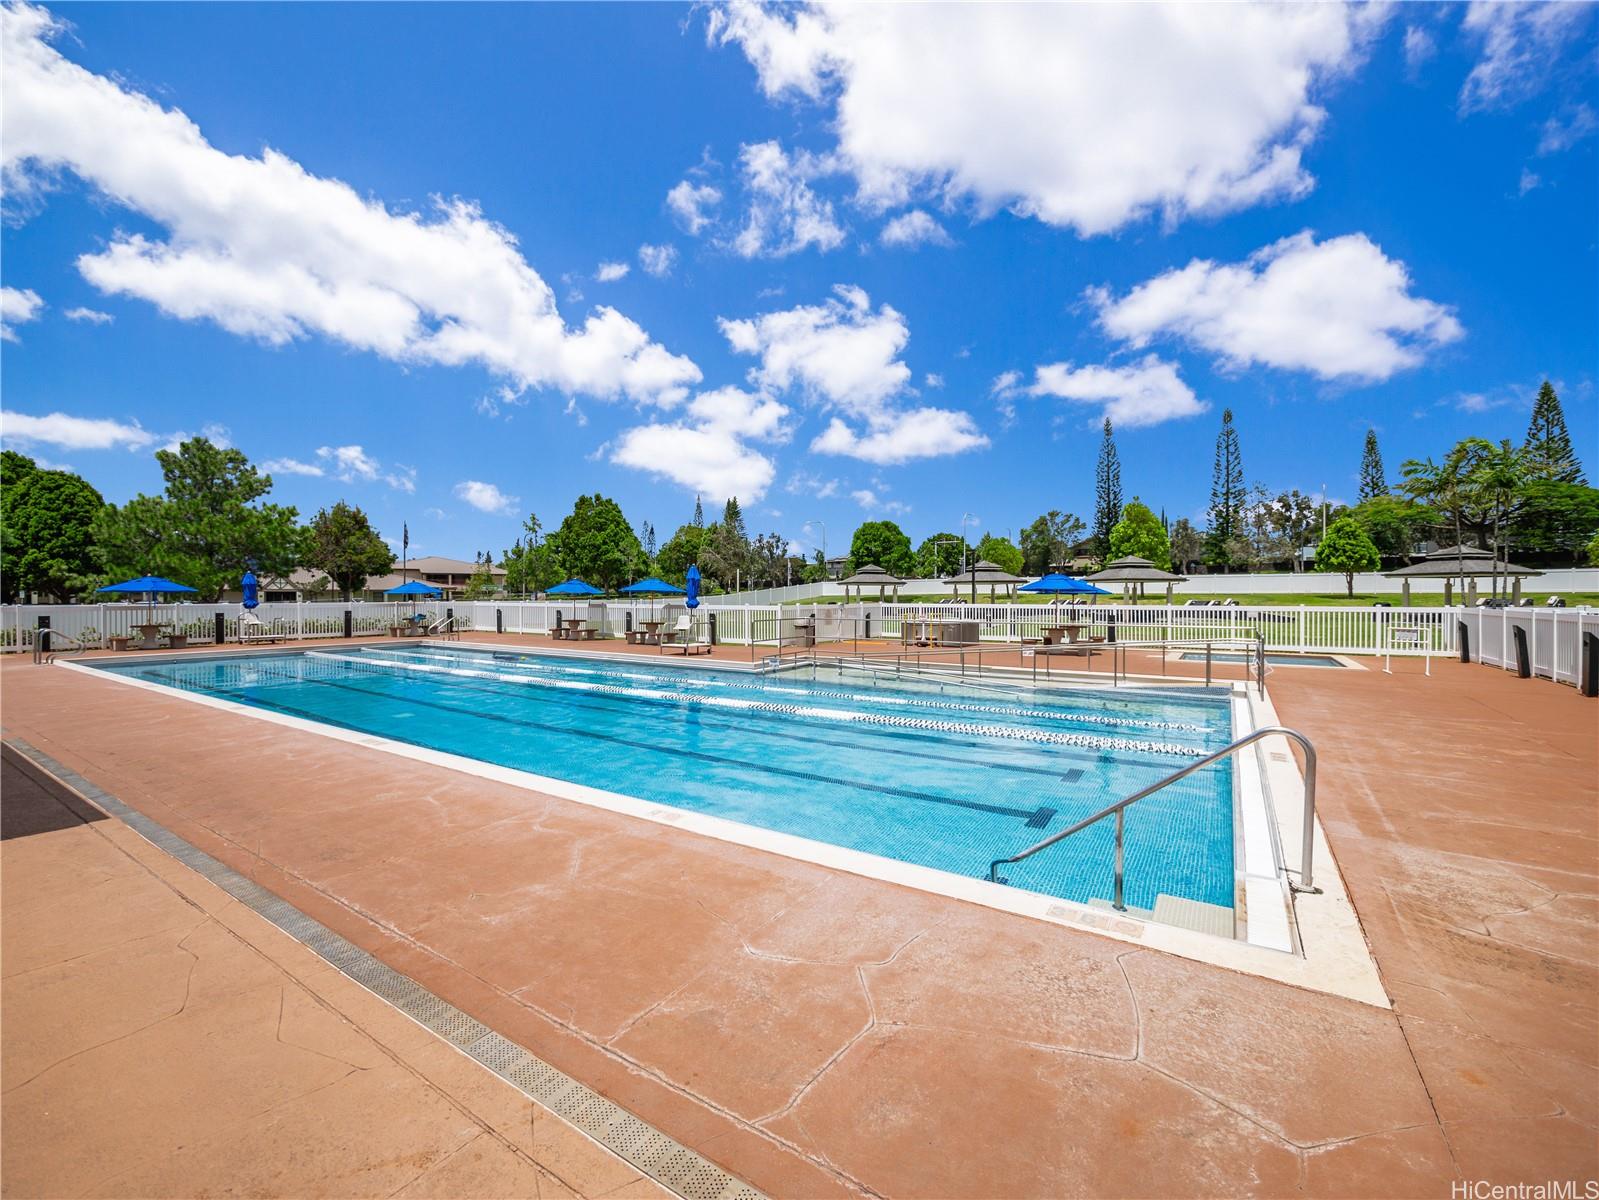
{"x":446,"y":625}
{"x":39,"y":654}
{"x":1307,"y":846}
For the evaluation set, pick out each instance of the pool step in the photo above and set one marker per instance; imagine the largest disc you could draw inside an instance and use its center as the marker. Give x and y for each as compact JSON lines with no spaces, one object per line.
{"x":1185,"y":914}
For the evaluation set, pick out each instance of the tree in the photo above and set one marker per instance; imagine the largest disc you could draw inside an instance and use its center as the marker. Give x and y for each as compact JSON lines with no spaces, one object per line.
{"x":530,"y":565}
{"x":596,"y":544}
{"x":646,"y":538}
{"x":341,"y":543}
{"x":884,"y":544}
{"x":1139,"y":533}
{"x":480,"y":585}
{"x":204,"y":528}
{"x":1549,"y":451}
{"x":1496,"y":483}
{"x":1555,"y":519}
{"x":1345,"y":550}
{"x":1373,"y":482}
{"x":939,"y":555}
{"x":1000,"y":552}
{"x":1186,"y":546}
{"x":1226,"y":515}
{"x":1048,"y":540}
{"x":1292,"y":515}
{"x":14,"y":468}
{"x":699,"y":514}
{"x":1393,"y":523}
{"x":1107,"y":491}
{"x":733,"y":518}
{"x":769,"y":554}
{"x":46,"y":519}
{"x":1593,"y":549}
{"x":680,"y":551}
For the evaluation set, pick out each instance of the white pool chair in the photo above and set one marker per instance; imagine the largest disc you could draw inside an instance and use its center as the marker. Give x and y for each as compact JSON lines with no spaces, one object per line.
{"x":682,"y":638}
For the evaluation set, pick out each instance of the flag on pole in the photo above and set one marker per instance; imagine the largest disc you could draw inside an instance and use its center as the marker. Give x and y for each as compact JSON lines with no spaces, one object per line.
{"x":405,"y":537}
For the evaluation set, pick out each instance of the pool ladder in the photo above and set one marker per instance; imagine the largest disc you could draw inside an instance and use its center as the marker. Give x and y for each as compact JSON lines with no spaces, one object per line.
{"x":1117,"y":810}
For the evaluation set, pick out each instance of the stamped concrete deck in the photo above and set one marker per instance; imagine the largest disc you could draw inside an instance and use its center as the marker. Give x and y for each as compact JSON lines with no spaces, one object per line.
{"x":817,"y":1033}
{"x":162,"y":1039}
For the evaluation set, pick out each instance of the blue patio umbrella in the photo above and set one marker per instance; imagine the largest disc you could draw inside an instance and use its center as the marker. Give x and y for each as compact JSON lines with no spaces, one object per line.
{"x":651,"y":587}
{"x":693,"y":581}
{"x":1062,"y":585}
{"x":574,"y":587}
{"x":251,"y":589}
{"x":148,"y":586}
{"x":413,"y":589}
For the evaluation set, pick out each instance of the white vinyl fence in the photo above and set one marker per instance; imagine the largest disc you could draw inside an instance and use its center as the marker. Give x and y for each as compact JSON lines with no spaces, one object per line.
{"x":1554,"y":636}
{"x":1554,"y":639}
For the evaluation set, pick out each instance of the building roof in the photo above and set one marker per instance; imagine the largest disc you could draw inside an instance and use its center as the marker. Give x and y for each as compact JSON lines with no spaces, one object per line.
{"x":984,"y":571}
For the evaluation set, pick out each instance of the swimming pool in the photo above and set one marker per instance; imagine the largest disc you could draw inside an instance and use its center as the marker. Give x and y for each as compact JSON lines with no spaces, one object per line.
{"x":947,"y":777}
{"x":1275,"y":660}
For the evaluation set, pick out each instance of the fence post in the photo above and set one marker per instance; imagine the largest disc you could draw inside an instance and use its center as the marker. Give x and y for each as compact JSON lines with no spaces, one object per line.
{"x":1523,"y":657}
{"x":41,"y":636}
{"x":221,"y":634}
{"x":349,"y":624}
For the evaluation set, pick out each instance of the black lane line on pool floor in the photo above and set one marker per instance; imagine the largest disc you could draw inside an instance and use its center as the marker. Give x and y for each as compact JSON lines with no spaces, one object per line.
{"x":659,"y":1156}
{"x":810,"y":776}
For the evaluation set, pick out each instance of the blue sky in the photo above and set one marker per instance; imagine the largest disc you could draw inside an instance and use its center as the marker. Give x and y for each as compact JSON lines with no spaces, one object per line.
{"x":879,"y":262}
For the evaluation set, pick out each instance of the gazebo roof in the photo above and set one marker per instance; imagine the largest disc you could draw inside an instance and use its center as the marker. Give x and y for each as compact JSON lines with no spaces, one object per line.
{"x":984,"y":571}
{"x":1458,"y":552}
{"x":872,"y":575}
{"x":1433,"y":567}
{"x":1133,"y":569}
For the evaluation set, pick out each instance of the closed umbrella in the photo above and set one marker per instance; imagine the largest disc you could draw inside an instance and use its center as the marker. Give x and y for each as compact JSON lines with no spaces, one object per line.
{"x":693,"y":581}
{"x":251,"y":588}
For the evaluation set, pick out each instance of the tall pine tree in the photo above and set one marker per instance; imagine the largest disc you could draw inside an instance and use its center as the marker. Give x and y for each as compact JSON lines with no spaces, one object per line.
{"x":1226,"y":496}
{"x":699,"y":514}
{"x":1549,"y":451}
{"x":1373,"y":482}
{"x":1107,"y":492}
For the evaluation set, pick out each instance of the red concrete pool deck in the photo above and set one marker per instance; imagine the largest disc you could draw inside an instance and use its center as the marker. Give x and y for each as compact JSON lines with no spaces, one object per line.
{"x":817,"y":1033}
{"x":163,"y":1040}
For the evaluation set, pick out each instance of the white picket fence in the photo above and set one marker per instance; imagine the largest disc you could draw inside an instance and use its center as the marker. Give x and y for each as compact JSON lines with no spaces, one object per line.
{"x":1347,"y":630}
{"x":1554,"y":639}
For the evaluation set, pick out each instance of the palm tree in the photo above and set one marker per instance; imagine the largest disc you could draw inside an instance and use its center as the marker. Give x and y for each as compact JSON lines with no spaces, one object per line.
{"x":1498,"y":475}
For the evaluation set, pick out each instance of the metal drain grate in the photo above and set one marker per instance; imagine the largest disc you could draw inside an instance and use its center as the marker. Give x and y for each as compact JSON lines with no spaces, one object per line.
{"x":662,"y":1158}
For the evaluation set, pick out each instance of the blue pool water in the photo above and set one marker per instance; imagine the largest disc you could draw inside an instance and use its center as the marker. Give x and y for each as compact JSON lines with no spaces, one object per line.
{"x":948,"y":777}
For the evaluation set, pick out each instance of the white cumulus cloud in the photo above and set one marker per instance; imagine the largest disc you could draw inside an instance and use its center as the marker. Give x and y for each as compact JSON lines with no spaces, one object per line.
{"x":657,"y":260}
{"x":912,"y":229}
{"x":1034,"y":107}
{"x":707,"y":451}
{"x":844,"y":357}
{"x":485,"y":497}
{"x":692,"y":204}
{"x":1519,"y":43}
{"x":292,"y":466}
{"x":1146,"y":392}
{"x":73,"y":433}
{"x":268,"y":250}
{"x":785,"y":214}
{"x":1340,"y":308}
{"x":18,"y":306}
{"x":92,"y":315}
{"x":610,"y":272}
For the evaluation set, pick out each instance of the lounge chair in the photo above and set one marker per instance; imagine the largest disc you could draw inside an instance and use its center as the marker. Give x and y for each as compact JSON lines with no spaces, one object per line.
{"x":253,"y":629}
{"x":682,"y":637}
